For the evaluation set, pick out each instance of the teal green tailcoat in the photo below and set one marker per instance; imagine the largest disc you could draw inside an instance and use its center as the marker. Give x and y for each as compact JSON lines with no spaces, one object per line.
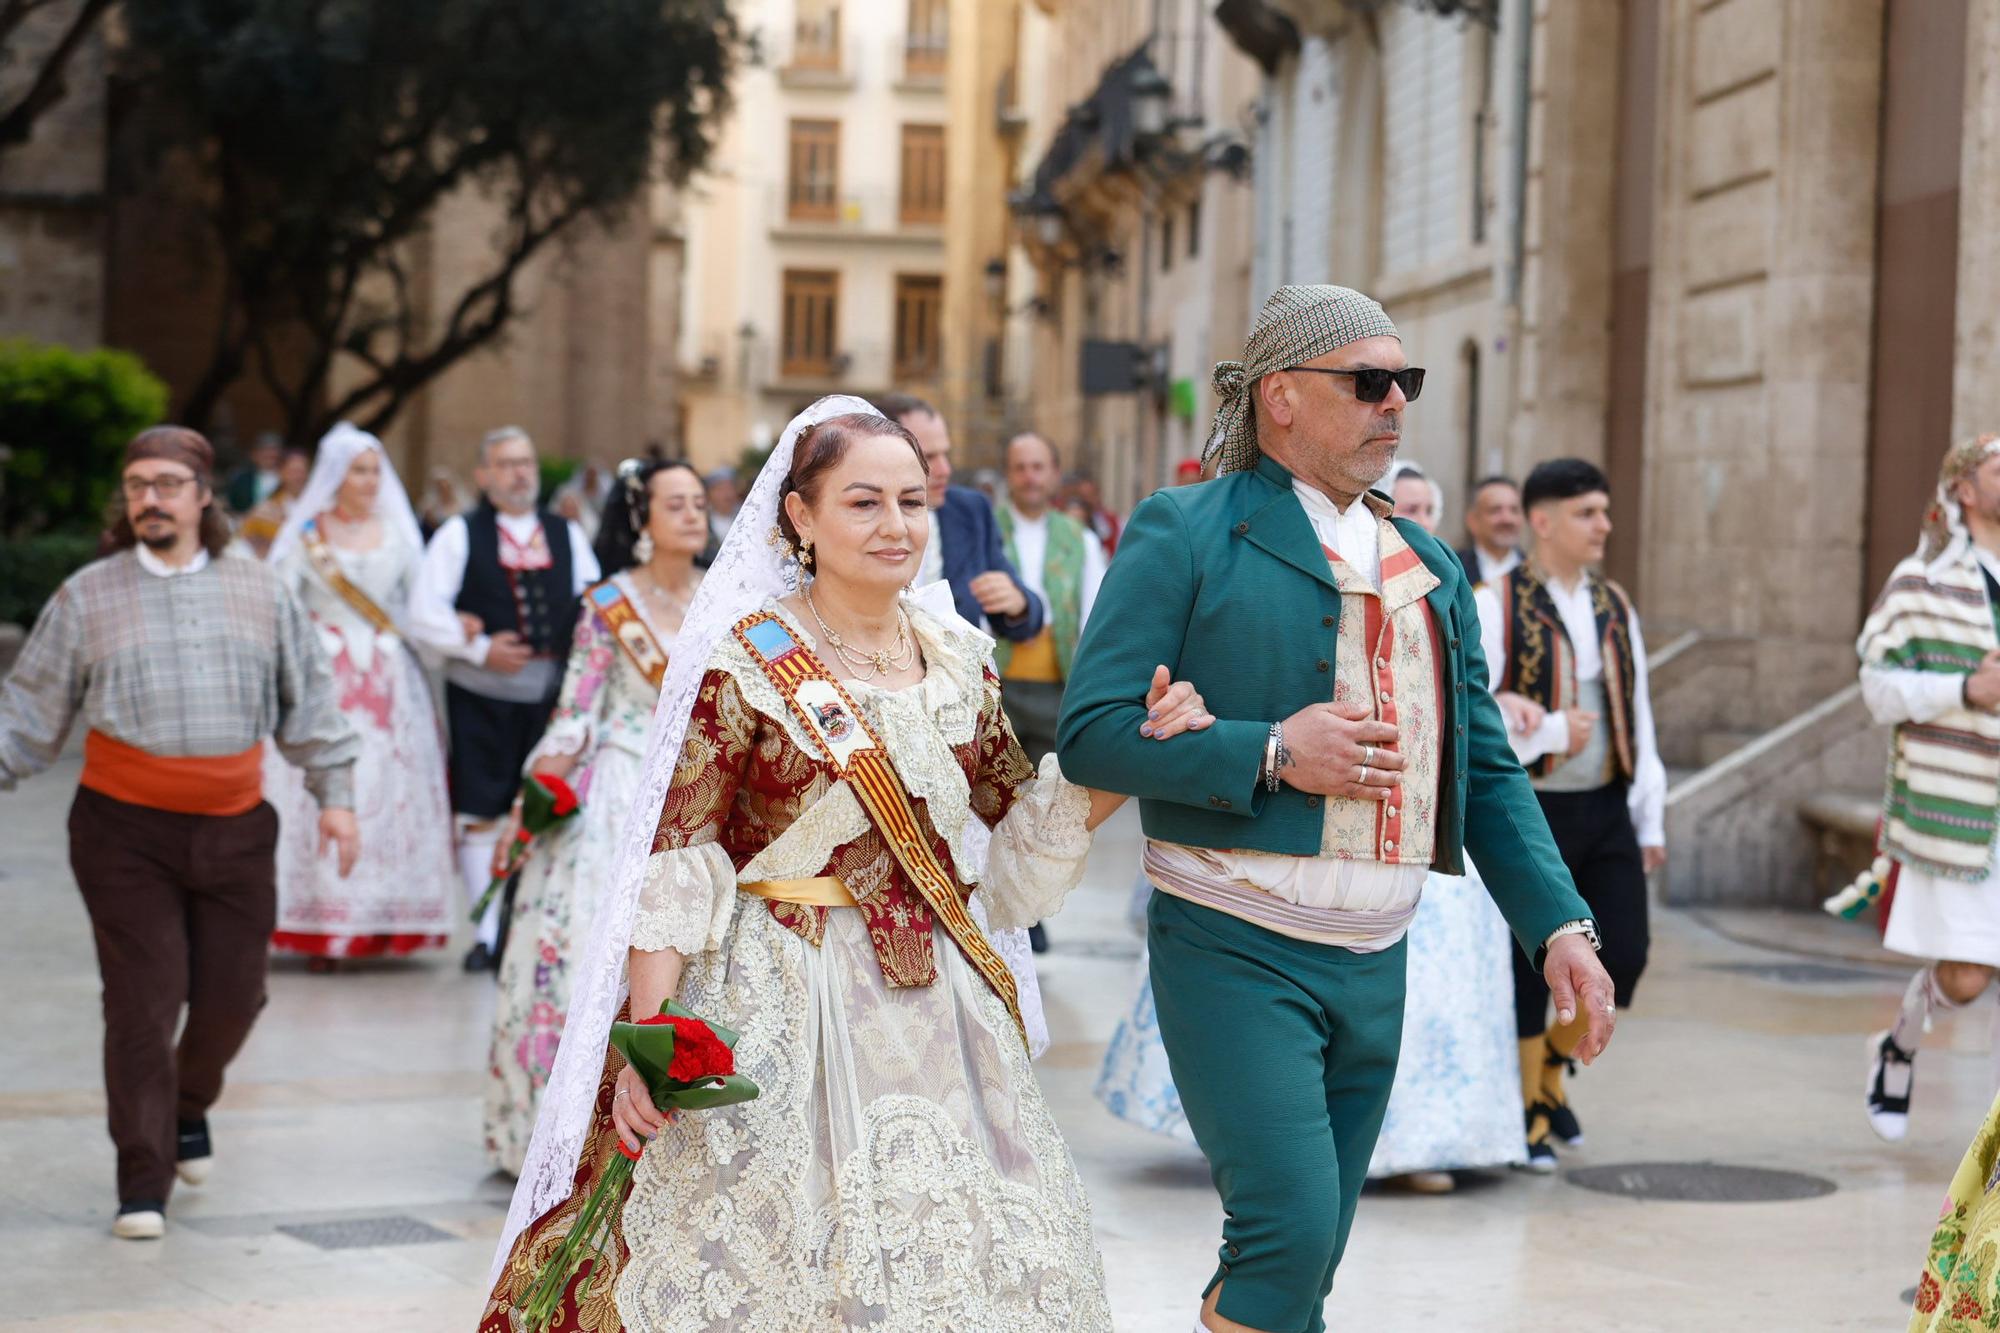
{"x":1226,"y":583}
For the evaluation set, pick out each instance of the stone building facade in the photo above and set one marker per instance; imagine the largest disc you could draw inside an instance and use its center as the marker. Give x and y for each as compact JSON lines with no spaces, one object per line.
{"x":1731,"y":249}
{"x":1130,"y":232}
{"x":816,"y":240}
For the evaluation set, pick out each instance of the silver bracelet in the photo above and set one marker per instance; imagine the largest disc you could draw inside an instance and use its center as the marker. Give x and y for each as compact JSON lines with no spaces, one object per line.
{"x":1278,"y":758}
{"x":1583,"y":926}
{"x":1269,"y":768}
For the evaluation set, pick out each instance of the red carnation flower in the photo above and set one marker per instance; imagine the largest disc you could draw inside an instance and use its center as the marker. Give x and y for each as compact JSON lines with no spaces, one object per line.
{"x":698,"y":1052}
{"x":564,"y":794}
{"x":1928,"y":1294}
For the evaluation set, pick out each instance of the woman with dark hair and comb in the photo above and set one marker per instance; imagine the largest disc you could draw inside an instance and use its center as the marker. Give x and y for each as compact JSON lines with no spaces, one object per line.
{"x":654,"y":525}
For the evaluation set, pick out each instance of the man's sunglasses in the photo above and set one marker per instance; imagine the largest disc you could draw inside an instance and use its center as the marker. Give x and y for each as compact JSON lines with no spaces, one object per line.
{"x":1371,"y":383}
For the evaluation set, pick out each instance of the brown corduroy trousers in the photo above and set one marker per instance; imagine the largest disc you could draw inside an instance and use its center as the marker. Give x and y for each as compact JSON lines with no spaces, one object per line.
{"x":182,"y":908}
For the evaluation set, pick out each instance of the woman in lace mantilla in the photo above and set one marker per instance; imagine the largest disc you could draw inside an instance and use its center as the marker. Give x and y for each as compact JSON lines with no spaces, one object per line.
{"x":900,"y":1170}
{"x":349,"y":550}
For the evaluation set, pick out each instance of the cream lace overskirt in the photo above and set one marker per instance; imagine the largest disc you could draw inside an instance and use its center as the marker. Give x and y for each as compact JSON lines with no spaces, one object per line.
{"x":901,"y":1171}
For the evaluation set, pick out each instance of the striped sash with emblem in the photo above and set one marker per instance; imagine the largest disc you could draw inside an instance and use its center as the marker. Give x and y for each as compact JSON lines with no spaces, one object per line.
{"x":827,"y":712}
{"x":627,"y":626}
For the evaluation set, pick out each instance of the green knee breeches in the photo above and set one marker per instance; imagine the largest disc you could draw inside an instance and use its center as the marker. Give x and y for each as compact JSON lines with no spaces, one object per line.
{"x":1283,"y":1053}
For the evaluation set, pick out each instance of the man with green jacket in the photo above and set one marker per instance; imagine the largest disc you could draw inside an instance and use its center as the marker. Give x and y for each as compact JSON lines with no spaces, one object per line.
{"x":1355,"y":748}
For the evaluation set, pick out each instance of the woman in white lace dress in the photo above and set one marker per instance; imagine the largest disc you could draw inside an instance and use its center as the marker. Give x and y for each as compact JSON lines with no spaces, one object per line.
{"x":653,"y":528}
{"x":349,"y":549}
{"x":900,"y":1170}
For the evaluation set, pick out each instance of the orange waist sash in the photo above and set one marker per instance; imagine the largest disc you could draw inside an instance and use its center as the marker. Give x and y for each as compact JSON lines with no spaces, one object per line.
{"x":223,"y":784}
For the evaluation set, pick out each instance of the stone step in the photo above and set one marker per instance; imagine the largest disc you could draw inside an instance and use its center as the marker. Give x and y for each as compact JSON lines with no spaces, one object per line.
{"x":1850,"y":814}
{"x":1715,"y":746}
{"x":1843,"y":823}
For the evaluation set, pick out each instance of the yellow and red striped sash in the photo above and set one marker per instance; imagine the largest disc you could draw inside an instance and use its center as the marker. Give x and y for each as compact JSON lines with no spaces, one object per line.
{"x":327,"y":565}
{"x":630,"y":629}
{"x":828,"y":713}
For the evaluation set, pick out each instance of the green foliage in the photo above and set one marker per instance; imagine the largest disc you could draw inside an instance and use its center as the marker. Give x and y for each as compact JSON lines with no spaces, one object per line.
{"x":65,"y":416}
{"x":749,"y":464}
{"x":329,"y":134}
{"x":555,"y":471}
{"x":32,"y":568}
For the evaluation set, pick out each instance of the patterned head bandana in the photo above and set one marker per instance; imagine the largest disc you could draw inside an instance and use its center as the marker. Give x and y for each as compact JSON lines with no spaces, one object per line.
{"x":1295,"y":325}
{"x":1944,"y":521}
{"x":176,"y":444}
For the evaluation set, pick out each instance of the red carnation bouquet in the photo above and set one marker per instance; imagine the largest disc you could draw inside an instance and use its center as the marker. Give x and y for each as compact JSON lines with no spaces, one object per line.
{"x":687,"y":1064}
{"x":546,"y":801}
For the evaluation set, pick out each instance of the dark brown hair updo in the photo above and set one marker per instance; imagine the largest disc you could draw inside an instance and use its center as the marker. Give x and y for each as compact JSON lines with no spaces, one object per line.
{"x":820,"y":449}
{"x":629,"y":510}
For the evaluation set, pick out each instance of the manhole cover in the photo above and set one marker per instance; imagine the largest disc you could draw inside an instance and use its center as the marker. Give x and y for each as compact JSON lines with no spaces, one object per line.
{"x":1699,"y":1182}
{"x":357,"y":1233}
{"x":1802,"y":974}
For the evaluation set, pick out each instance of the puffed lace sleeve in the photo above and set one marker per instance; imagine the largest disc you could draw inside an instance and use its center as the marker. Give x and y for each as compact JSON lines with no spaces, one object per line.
{"x":1039,"y":839}
{"x":580,"y":707}
{"x":690,"y":884}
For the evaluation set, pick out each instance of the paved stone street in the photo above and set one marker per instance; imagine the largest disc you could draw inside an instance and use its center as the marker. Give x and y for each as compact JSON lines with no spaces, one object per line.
{"x":357,"y":1101}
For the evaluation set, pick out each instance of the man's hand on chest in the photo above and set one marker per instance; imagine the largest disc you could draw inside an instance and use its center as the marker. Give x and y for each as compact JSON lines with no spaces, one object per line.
{"x":1338,"y":750}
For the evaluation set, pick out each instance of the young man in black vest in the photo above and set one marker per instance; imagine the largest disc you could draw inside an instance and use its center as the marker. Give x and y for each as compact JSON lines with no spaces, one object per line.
{"x":1565,"y":639}
{"x":497,"y":596}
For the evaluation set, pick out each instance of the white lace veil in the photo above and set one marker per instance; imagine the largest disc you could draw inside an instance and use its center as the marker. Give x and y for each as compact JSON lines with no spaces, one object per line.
{"x":748,"y":571}
{"x":338,"y":449}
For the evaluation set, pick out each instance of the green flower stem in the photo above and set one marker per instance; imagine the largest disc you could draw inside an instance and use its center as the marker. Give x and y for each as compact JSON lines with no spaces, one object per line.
{"x":589,"y":1240}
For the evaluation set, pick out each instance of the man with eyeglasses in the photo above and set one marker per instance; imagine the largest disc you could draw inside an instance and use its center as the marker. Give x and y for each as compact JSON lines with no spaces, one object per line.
{"x":181,"y":662}
{"x":1356,"y":749}
{"x":497,"y":596}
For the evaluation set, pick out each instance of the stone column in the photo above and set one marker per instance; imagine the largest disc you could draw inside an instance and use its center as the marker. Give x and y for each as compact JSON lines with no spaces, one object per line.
{"x":1976,"y":381}
{"x":1564,"y":343}
{"x":1763,"y":294}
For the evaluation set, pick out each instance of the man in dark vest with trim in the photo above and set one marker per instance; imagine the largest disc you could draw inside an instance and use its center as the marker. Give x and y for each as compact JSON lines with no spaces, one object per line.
{"x":497,"y":596}
{"x":1563,"y":637}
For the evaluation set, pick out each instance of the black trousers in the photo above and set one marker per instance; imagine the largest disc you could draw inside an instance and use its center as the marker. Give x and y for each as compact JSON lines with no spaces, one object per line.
{"x":1593,"y":831}
{"x":490,"y":741}
{"x":181,"y":907}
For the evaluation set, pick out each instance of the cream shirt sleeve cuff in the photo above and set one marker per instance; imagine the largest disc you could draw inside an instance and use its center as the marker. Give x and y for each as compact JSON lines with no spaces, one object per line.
{"x":1896,"y":696}
{"x":1551,"y":737}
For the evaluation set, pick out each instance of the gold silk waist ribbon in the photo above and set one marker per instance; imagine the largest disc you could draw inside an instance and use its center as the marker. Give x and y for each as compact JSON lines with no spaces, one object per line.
{"x":820,"y":891}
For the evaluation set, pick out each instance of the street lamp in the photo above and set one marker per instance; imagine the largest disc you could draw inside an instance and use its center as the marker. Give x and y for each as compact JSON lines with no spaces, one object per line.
{"x":1150,"y":94}
{"x":996,"y":280}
